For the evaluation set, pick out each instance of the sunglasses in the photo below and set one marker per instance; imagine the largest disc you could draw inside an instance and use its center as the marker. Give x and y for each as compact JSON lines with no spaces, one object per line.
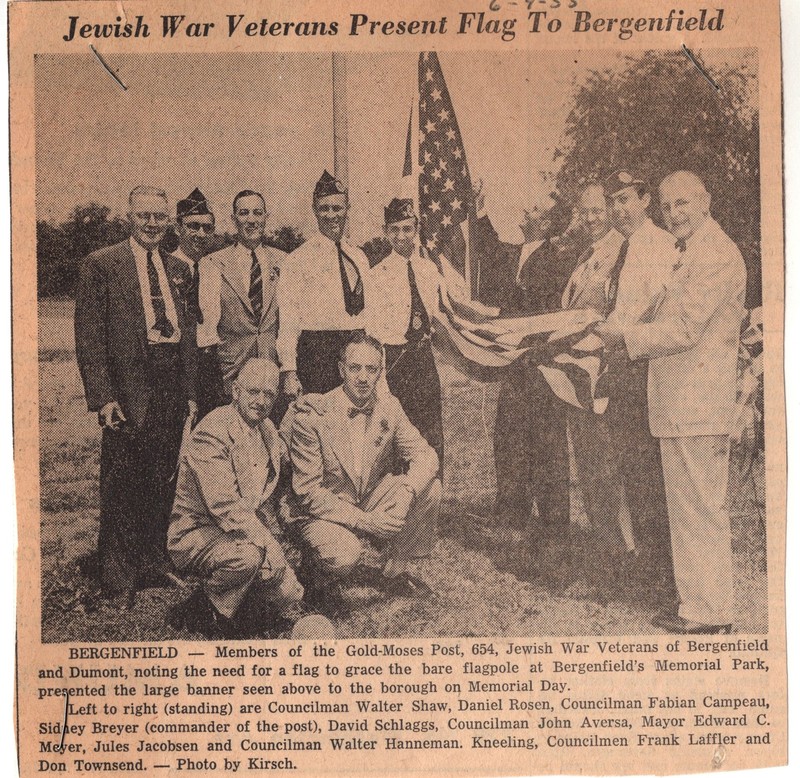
{"x":197,"y":226}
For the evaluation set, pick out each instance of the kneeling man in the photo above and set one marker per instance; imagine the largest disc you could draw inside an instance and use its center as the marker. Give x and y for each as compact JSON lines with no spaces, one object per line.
{"x":224,"y":525}
{"x":344,"y":445}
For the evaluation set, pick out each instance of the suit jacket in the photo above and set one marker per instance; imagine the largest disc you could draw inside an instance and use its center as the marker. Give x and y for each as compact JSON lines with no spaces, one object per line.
{"x":324,"y":478}
{"x":111,"y":333}
{"x":216,"y":490}
{"x":498,"y":263}
{"x":692,"y":339}
{"x":240,"y":336}
{"x":588,"y":285}
{"x":542,"y":279}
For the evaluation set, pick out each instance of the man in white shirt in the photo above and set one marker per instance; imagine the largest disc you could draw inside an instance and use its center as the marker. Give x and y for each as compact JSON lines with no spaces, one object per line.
{"x":136,"y":351}
{"x":224,"y":526}
{"x":406,"y":285}
{"x":238,"y":291}
{"x":324,"y":294}
{"x":691,"y":342}
{"x":634,"y":285}
{"x":195,"y":227}
{"x":343,"y":448}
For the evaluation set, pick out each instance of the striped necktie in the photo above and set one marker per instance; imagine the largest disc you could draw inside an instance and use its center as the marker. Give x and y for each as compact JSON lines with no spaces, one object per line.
{"x":163,"y":324}
{"x":256,"y":287}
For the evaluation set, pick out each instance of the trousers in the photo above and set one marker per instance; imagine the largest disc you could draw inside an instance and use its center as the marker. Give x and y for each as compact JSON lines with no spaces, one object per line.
{"x":335,"y":549}
{"x":696,"y":481}
{"x":530,"y":450}
{"x":137,"y":480}
{"x":229,"y":566}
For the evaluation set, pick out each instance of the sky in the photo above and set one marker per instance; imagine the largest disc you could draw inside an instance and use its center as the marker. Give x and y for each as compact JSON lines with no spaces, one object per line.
{"x":232,"y":121}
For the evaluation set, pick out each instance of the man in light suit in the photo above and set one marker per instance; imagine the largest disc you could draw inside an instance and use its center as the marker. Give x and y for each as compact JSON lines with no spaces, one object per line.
{"x":596,"y":464}
{"x":343,"y":448}
{"x":136,"y":351}
{"x":691,"y":341}
{"x":643,"y":265}
{"x":224,"y":526}
{"x":240,"y":309}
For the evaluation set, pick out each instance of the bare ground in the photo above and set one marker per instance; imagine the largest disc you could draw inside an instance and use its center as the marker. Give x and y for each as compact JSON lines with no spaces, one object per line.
{"x":488,"y":581}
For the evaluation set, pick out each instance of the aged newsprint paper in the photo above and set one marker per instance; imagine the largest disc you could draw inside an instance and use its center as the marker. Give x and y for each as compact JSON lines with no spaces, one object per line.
{"x":398,"y":387}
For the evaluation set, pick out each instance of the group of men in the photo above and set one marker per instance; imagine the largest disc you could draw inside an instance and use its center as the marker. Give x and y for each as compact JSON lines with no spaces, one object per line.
{"x":233,"y":345}
{"x":316,"y":365}
{"x":653,"y":468}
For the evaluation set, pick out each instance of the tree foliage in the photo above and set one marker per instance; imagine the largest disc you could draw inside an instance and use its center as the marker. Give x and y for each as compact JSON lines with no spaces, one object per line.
{"x":659,"y":114}
{"x":59,"y":248}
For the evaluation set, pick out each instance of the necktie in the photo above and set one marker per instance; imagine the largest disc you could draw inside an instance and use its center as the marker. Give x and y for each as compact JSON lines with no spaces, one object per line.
{"x":194,"y":294}
{"x":613,"y":277}
{"x":680,"y":244}
{"x":353,"y":295}
{"x":419,"y":324}
{"x":367,"y":410}
{"x":256,"y":287}
{"x":162,"y":324}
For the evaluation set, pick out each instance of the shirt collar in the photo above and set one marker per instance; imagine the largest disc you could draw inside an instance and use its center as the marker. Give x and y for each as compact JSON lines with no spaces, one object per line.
{"x":612,"y":236}
{"x":345,"y":403}
{"x":642,"y":232}
{"x":139,"y":250}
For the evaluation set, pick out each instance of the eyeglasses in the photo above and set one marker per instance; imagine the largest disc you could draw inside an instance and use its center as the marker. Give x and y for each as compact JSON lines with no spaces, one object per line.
{"x":145,"y":216}
{"x":197,"y":226}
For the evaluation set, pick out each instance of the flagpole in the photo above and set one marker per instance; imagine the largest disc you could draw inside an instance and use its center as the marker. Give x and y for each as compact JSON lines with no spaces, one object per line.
{"x":339,"y":63}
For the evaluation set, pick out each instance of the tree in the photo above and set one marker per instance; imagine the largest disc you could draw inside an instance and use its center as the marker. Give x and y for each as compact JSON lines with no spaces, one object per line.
{"x":659,"y":114}
{"x":60,"y":248}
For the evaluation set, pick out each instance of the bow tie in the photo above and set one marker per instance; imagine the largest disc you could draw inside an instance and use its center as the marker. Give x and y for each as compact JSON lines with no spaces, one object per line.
{"x":367,"y":410}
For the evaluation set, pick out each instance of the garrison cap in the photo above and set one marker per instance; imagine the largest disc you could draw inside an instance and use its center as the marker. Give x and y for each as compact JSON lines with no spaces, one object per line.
{"x":620,"y":180}
{"x":328,"y":185}
{"x":194,"y":205}
{"x":398,"y":210}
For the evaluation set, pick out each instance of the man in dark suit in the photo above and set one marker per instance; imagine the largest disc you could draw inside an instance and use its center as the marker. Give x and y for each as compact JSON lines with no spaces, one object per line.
{"x":530,"y":439}
{"x":136,"y":350}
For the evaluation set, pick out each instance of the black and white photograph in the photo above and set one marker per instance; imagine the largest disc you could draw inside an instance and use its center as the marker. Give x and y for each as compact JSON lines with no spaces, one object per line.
{"x":400,"y":344}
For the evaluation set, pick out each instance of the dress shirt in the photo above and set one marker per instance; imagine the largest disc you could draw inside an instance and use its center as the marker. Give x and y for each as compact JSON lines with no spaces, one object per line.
{"x":153,"y":335}
{"x":357,"y":425}
{"x":258,"y":456}
{"x":211,"y":286}
{"x":310,"y":294}
{"x":647,"y":269}
{"x":391,"y":315}
{"x":597,"y":267}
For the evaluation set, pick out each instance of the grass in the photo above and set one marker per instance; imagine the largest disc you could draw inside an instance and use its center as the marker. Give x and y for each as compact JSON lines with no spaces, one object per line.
{"x":488,"y":581}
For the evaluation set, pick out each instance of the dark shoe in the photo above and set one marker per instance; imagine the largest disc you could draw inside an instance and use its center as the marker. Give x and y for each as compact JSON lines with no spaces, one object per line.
{"x":197,"y":614}
{"x":325,"y":597}
{"x":406,"y":585}
{"x":665,"y":617}
{"x":680,"y":626}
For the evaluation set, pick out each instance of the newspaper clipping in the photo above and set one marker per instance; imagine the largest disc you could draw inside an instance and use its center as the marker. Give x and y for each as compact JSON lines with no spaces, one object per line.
{"x":398,"y":387}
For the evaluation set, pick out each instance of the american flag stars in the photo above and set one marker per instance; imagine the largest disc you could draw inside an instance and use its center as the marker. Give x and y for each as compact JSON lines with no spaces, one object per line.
{"x":445,"y":184}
